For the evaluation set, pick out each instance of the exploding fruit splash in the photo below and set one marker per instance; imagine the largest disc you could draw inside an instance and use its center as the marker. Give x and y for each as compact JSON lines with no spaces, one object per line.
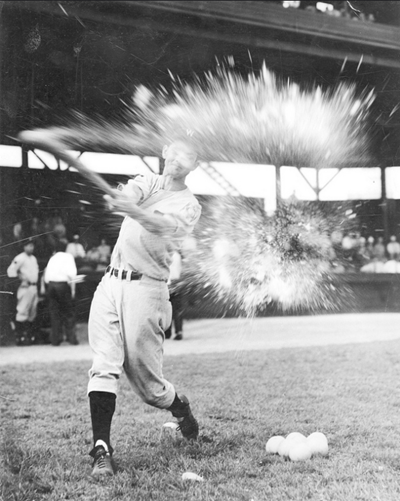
{"x":248,"y":258}
{"x":253,"y":119}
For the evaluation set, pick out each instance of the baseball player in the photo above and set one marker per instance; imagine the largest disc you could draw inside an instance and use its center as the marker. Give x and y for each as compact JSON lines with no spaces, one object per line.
{"x":131,"y":309}
{"x":25,"y":267}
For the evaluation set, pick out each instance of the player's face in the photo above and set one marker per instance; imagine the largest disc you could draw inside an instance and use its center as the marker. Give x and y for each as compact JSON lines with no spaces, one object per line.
{"x":180,"y":159}
{"x":29,"y":249}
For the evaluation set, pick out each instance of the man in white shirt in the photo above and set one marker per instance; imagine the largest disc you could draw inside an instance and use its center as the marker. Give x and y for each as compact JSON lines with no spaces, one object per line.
{"x":25,"y":267}
{"x":59,"y":278}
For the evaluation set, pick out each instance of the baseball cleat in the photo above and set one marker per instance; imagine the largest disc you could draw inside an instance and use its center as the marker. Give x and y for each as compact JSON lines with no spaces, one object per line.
{"x":187,"y":424}
{"x":102,"y":465}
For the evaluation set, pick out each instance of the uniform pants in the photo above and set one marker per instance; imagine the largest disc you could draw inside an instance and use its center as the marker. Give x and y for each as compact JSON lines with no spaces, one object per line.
{"x":61,"y":310}
{"x":27,"y":301}
{"x":126,"y":332}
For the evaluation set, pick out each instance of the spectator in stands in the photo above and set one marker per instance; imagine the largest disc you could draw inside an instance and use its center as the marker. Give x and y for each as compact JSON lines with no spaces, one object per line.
{"x":379,"y":251}
{"x":35,"y":226}
{"x":104,"y":252}
{"x":36,"y":232}
{"x":55,"y":231}
{"x":349,"y":246}
{"x":393,"y":248}
{"x":369,"y":248}
{"x":77,"y":250}
{"x":333,"y":8}
{"x":98,"y":257}
{"x":92,"y":261}
{"x":18,"y":235}
{"x":60,"y":232}
{"x":59,"y":277}
{"x":378,"y":257}
{"x":361,"y":257}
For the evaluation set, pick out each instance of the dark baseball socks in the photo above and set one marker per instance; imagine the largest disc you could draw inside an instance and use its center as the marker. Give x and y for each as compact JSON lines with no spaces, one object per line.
{"x":177,"y":405}
{"x":102,"y":408}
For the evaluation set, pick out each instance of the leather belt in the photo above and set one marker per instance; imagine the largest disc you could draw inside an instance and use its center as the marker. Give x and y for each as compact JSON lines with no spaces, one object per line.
{"x":124,"y":274}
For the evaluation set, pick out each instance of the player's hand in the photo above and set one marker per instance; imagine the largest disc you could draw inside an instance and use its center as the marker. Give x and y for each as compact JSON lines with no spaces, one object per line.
{"x":120,"y":203}
{"x":132,"y":190}
{"x":124,"y":198}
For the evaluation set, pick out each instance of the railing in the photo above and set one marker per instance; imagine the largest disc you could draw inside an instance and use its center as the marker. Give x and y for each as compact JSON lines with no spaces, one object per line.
{"x":271,"y":15}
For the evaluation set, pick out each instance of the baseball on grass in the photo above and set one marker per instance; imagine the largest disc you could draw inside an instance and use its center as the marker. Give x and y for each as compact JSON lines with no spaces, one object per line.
{"x":318,"y":443}
{"x":296,"y":437}
{"x":300,"y":451}
{"x":188,"y":475}
{"x":273,"y":444}
{"x":171,"y":425}
{"x":291,"y":440}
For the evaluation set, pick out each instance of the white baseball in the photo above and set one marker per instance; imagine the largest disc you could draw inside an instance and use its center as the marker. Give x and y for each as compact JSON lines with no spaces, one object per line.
{"x":291,"y":440}
{"x":296,"y":437}
{"x":188,"y":475}
{"x":318,"y":443}
{"x":171,"y":425}
{"x":273,"y":444}
{"x":300,"y":452}
{"x":284,"y":448}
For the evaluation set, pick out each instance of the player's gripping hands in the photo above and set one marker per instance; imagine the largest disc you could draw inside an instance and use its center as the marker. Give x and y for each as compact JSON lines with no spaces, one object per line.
{"x":124,"y":202}
{"x":124,"y":198}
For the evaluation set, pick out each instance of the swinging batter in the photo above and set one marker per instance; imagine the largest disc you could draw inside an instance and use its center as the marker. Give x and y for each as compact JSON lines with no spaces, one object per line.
{"x":130,"y":309}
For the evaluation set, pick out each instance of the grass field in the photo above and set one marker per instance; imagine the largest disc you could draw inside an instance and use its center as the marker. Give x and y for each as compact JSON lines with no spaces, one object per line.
{"x":349,"y":392}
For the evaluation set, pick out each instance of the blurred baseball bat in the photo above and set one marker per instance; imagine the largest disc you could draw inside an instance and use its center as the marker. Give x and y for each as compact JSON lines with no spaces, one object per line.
{"x":45,"y":141}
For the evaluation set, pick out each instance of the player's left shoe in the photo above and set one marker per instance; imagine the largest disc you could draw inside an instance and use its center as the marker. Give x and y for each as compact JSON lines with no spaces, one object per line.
{"x":102,"y":463}
{"x":187,"y":423}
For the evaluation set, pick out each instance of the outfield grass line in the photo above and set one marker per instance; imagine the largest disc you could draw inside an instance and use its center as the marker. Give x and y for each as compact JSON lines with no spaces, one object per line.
{"x":238,"y":334}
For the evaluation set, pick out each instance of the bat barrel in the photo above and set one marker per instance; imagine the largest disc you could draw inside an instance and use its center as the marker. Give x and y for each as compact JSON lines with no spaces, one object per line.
{"x":44,"y":141}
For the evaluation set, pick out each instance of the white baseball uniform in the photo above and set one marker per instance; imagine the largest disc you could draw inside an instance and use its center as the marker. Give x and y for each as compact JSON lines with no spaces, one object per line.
{"x":26,"y":268}
{"x":128,"y":317}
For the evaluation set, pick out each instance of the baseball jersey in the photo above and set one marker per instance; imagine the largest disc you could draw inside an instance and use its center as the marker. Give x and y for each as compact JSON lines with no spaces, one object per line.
{"x":24,"y":267}
{"x":141,"y":250}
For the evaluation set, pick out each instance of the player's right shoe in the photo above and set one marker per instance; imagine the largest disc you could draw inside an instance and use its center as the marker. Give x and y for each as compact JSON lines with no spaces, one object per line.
{"x":187,"y":423}
{"x":102,"y":463}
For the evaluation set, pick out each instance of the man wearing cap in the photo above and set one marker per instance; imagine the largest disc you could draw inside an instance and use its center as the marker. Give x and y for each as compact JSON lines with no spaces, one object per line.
{"x":25,"y":267}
